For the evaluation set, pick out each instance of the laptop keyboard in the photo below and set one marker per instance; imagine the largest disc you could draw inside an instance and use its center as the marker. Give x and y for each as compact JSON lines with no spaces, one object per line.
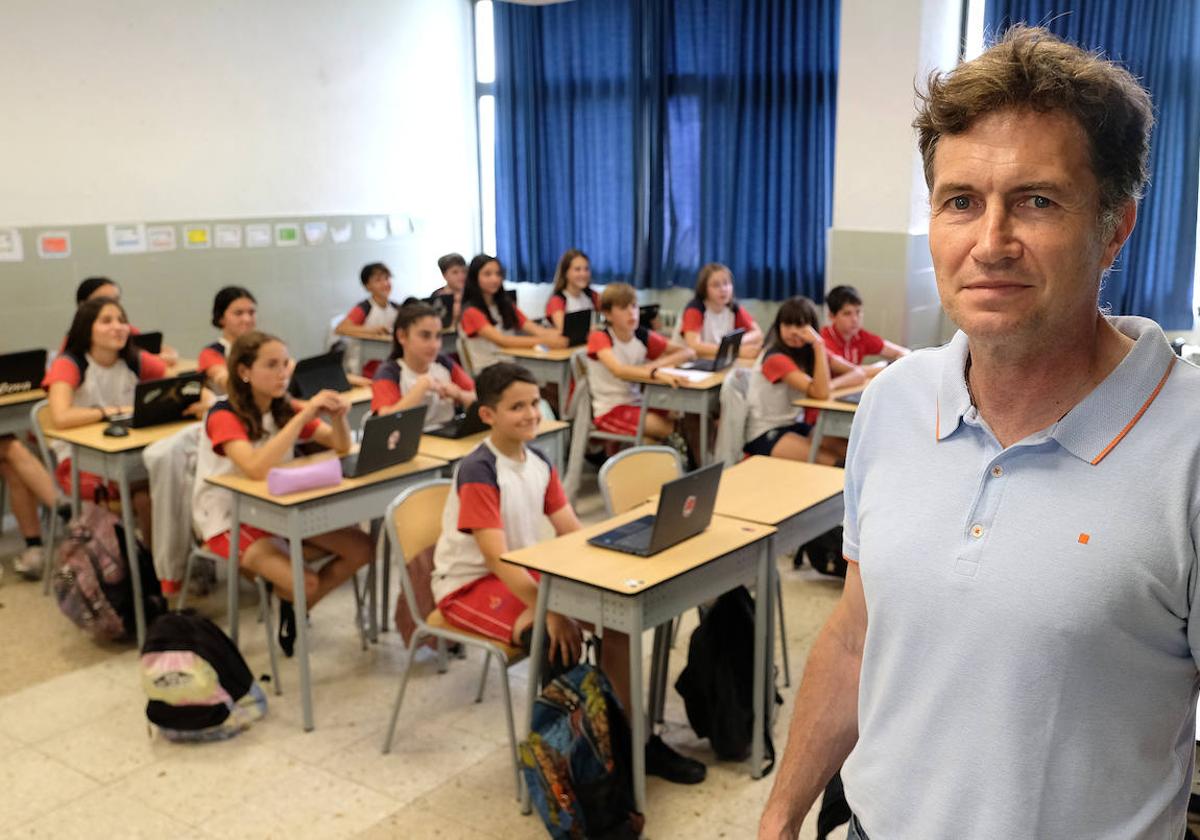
{"x":349,"y":462}
{"x":635,"y":534}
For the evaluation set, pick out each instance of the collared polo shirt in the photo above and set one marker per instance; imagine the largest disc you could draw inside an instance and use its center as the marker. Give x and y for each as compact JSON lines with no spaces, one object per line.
{"x":1030,"y":668}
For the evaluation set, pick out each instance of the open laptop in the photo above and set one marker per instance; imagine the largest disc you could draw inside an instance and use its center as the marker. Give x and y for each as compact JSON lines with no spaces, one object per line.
{"x":685,"y":507}
{"x":444,"y":304}
{"x":387,"y":441}
{"x":151,"y":342}
{"x":463,"y":425}
{"x":727,"y":353}
{"x":162,"y":401}
{"x":646,"y":315}
{"x":576,"y":326}
{"x":316,"y":373}
{"x":21,"y":372}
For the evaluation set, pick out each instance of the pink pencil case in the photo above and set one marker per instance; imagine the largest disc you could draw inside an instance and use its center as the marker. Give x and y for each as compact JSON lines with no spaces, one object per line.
{"x":324,"y":473}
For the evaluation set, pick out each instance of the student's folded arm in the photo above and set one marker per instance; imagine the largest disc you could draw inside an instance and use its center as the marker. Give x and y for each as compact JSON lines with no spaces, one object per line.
{"x":492,"y":543}
{"x":819,"y":387}
{"x":501,"y":339}
{"x":844,"y":374}
{"x":675,"y":354}
{"x":700,"y":348}
{"x":218,"y":377}
{"x":800,"y":381}
{"x":556,"y":318}
{"x":893,"y":351}
{"x":256,"y":462}
{"x":64,"y":414}
{"x":334,"y":435}
{"x":545,"y":335}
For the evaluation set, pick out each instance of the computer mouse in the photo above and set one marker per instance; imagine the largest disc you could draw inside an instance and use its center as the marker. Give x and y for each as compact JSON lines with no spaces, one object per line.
{"x":115,"y":430}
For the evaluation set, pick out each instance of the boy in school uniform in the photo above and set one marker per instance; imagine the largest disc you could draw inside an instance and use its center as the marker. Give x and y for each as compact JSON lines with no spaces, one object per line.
{"x":454,"y":273}
{"x":502,"y":490}
{"x":845,"y":337}
{"x":372,"y":317}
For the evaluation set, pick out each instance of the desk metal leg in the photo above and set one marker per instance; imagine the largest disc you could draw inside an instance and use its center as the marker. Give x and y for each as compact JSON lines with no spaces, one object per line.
{"x":233,"y":578}
{"x":818,"y":432}
{"x":763,"y":656}
{"x":300,"y":603}
{"x":131,"y":552}
{"x":661,"y":658}
{"x":536,"y":654}
{"x":564,"y":384}
{"x":378,"y":611}
{"x":704,"y":437}
{"x":75,"y":500}
{"x":637,"y":715}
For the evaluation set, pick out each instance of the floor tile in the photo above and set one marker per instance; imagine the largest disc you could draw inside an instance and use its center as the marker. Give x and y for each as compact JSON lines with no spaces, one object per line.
{"x":34,"y":784}
{"x":106,"y":813}
{"x":415,"y":823}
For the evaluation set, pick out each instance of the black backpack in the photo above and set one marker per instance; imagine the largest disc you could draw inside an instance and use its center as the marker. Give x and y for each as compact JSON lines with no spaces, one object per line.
{"x":717,"y":685}
{"x":825,"y":553}
{"x":199,"y":686}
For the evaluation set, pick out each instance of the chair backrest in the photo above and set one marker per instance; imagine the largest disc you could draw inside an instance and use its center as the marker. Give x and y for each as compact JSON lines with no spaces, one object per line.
{"x":39,"y":421}
{"x":414,"y":522}
{"x":630,"y":477}
{"x":464,"y":356}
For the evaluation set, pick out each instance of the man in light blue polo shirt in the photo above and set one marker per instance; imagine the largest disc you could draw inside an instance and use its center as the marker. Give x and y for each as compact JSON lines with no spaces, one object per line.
{"x":1013,"y":656}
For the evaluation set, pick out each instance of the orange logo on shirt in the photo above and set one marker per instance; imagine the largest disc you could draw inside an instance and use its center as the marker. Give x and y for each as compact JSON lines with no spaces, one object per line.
{"x":494,"y":602}
{"x":1083,"y":538}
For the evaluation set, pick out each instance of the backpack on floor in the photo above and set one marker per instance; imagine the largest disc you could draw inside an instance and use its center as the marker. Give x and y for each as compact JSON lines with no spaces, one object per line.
{"x":825,"y":553}
{"x":577,"y":761}
{"x":717,"y":684}
{"x":198,"y":686}
{"x":91,"y":576}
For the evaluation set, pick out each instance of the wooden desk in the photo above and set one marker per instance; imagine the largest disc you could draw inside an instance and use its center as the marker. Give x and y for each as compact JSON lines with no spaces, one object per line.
{"x":548,"y":367}
{"x":299,"y":515}
{"x":633,"y":594}
{"x":834,"y":417}
{"x":119,"y":459}
{"x":14,"y":410}
{"x":370,"y":348}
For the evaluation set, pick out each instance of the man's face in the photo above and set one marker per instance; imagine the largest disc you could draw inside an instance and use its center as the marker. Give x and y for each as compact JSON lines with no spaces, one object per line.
{"x":1014,"y":228}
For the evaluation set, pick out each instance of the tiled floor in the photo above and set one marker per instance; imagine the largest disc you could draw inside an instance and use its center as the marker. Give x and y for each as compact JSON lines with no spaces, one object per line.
{"x":77,"y":758}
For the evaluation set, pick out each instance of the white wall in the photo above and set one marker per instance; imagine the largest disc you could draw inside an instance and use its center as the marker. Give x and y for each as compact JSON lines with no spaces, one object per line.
{"x":142,"y":109}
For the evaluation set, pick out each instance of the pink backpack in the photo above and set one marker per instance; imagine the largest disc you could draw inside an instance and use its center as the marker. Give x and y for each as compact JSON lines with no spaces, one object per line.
{"x":91,"y":576}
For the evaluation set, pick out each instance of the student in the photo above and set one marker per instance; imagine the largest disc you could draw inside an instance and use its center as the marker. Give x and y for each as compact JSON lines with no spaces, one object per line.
{"x":373,"y":316}
{"x":795,"y":364}
{"x":713,"y":312}
{"x":28,"y":484}
{"x":502,"y":491}
{"x":92,"y":381}
{"x":624,"y":350}
{"x":235,"y":311}
{"x":254,"y":429}
{"x":491,"y":322}
{"x":844,"y":334}
{"x":91,"y":288}
{"x":572,"y":288}
{"x":454,"y":273}
{"x":417,"y":373}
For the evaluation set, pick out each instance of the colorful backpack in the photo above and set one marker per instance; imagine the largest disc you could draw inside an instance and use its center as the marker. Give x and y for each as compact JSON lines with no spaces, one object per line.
{"x":577,"y":762}
{"x":199,"y":686}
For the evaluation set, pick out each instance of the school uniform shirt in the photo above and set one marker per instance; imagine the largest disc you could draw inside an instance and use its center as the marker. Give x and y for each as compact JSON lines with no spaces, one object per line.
{"x":862,"y":344}
{"x":367,"y":313}
{"x":713,"y":326}
{"x":483,"y":352}
{"x":212,"y":506}
{"x":563,"y":302}
{"x":769,"y":398}
{"x":609,"y":390}
{"x":212,"y":355}
{"x":492,"y":490}
{"x":394,"y":378}
{"x":97,"y":386}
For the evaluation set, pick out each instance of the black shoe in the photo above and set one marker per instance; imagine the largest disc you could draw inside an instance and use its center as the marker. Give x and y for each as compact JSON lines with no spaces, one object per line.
{"x":664,"y":762}
{"x":287,"y":628}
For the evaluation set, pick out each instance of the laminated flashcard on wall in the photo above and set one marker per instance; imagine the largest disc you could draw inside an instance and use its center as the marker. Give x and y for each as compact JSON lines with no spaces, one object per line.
{"x":160,"y":238}
{"x":287,"y":234}
{"x":340,"y":232}
{"x":54,"y":244}
{"x":258,"y":235}
{"x":196,"y":237}
{"x":400,"y":224}
{"x":228,"y":236}
{"x":12,"y":249}
{"x":376,"y":228}
{"x":126,"y":238}
{"x":314,"y":232}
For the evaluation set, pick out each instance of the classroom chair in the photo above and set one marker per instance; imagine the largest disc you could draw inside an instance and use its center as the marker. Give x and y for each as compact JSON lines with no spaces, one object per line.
{"x":414,"y":522}
{"x":464,"y":356}
{"x":39,"y":418}
{"x":731,"y":431}
{"x":583,"y":427}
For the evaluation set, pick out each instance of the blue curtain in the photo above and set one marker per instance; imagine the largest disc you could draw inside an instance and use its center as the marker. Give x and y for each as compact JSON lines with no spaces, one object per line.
{"x":1159,"y":41}
{"x":711,"y":139}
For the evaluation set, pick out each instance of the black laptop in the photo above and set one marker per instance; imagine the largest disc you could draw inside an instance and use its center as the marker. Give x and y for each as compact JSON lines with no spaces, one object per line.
{"x":21,"y":372}
{"x":576,"y":326}
{"x":727,"y":354}
{"x":685,"y":507}
{"x":646,"y":316}
{"x":464,"y":425}
{"x":387,"y":440}
{"x":444,"y":304}
{"x":151,"y":342}
{"x":162,"y":401}
{"x":316,"y":373}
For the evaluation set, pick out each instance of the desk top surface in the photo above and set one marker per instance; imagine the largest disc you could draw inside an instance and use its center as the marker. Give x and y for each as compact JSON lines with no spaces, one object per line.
{"x":557,"y":354}
{"x":570,"y":556}
{"x":258,"y":488}
{"x":22,"y":397}
{"x":832,"y":404}
{"x":92,"y":436}
{"x":713,"y":380}
{"x":449,"y":449}
{"x":770,"y":490}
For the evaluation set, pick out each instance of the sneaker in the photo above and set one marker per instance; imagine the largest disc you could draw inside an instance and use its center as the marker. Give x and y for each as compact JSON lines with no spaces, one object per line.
{"x":664,"y":762}
{"x":29,"y":563}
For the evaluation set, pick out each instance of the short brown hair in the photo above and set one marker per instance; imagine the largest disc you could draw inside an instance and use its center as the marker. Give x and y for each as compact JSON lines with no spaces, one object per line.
{"x":617,"y":295}
{"x":450,"y":261}
{"x":1029,"y":68}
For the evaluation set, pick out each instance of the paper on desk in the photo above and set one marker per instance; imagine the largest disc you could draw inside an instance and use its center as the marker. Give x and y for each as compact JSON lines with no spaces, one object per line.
{"x":689,"y":375}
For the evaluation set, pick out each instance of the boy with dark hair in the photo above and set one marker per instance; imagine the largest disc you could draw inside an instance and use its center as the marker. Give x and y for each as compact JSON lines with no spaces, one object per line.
{"x":372,"y":317}
{"x":454,"y":273}
{"x":845,"y":337}
{"x":501,"y":492}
